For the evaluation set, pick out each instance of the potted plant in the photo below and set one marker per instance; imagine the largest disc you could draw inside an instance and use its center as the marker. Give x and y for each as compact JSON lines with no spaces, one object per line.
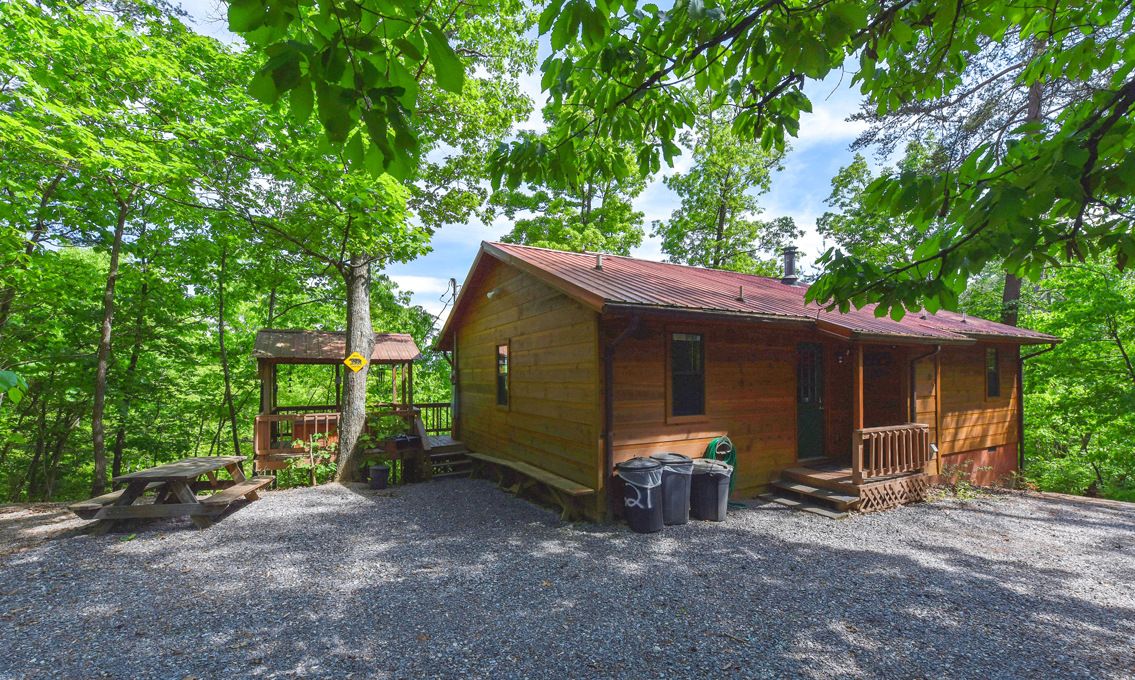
{"x":379,"y":442}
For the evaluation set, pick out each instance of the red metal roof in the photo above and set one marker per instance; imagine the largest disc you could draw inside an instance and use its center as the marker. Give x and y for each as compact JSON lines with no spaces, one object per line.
{"x":626,"y":285}
{"x":327,"y":347}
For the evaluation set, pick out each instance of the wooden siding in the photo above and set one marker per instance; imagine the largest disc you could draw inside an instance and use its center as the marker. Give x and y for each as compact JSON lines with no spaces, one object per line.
{"x":969,"y":421}
{"x":553,"y":417}
{"x":926,"y":394}
{"x":750,"y":396}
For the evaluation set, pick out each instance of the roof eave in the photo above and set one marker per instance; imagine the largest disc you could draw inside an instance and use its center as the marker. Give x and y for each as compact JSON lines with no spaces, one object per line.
{"x":628,"y":309}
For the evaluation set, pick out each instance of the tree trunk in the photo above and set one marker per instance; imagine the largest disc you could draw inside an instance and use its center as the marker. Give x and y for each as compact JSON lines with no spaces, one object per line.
{"x":39,"y":446}
{"x":1011,"y":296}
{"x":57,"y":455}
{"x":120,"y":436}
{"x":360,"y":338}
{"x":224,"y":357}
{"x":98,"y":484}
{"x":1010,"y":300}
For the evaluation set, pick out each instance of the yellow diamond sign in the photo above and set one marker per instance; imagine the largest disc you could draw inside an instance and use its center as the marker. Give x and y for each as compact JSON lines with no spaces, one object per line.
{"x":355,"y":361}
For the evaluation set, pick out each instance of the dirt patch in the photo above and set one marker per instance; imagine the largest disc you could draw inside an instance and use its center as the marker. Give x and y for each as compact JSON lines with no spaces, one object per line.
{"x":23,"y":525}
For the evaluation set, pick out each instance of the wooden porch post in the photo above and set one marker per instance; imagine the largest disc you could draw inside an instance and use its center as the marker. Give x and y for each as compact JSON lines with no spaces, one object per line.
{"x":857,"y":395}
{"x":410,"y":384}
{"x":857,"y":419}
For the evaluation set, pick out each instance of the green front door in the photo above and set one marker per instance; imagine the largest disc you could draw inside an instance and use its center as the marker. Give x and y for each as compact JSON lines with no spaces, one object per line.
{"x":809,"y":400}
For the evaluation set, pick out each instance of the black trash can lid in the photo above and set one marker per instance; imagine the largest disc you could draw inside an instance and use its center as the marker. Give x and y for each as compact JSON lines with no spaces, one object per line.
{"x":638,"y":464}
{"x":705,"y":465}
{"x":672,"y":459}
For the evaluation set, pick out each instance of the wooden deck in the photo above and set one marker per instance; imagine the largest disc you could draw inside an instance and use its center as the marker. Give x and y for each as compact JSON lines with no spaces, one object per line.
{"x":831,"y":487}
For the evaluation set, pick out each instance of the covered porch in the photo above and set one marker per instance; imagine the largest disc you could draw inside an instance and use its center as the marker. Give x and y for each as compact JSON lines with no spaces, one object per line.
{"x":284,"y":433}
{"x":881,"y":427}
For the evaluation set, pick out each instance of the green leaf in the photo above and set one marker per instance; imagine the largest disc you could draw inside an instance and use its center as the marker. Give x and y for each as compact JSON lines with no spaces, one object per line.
{"x":696,"y":9}
{"x":449,"y":72}
{"x":408,"y":49}
{"x":302,"y":101}
{"x":901,"y":32}
{"x":245,"y":15}
{"x":263,"y":89}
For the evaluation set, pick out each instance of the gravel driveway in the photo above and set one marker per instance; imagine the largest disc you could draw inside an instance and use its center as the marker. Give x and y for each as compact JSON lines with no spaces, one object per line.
{"x":458,"y":580}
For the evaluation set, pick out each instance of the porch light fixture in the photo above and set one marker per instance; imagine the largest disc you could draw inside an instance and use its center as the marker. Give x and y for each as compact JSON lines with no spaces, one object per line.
{"x":494,"y":292}
{"x":841,"y":355}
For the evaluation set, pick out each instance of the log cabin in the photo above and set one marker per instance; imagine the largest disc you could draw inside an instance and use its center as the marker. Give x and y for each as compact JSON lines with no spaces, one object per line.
{"x":568,"y":363}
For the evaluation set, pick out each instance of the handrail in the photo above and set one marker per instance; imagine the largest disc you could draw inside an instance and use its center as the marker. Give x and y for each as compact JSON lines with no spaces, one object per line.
{"x":889,"y":450}
{"x":283,"y":434}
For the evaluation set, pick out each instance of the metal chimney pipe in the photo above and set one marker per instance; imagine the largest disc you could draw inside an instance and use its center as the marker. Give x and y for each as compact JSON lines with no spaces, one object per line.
{"x":789,"y":266}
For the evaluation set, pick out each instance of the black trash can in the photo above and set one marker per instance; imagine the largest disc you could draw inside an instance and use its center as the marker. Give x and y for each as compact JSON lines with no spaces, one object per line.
{"x":379,"y":476}
{"x":676,"y":470}
{"x":709,"y":490}
{"x":642,"y":494}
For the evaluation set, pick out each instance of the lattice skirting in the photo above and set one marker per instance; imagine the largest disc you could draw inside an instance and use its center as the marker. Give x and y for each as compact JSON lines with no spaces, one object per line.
{"x":892,"y":493}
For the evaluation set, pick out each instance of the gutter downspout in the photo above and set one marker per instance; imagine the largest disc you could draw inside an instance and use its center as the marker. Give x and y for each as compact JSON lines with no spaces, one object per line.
{"x":1021,"y":410}
{"x":914,"y":381}
{"x":609,"y":412}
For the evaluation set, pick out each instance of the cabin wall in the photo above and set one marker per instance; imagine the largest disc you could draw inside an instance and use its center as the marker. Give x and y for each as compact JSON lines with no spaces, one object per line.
{"x":553,"y":417}
{"x":750,"y":395}
{"x":973,"y":426}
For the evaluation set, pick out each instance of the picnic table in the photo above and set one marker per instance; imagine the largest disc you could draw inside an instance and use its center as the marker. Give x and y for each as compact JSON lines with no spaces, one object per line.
{"x":176,"y":485}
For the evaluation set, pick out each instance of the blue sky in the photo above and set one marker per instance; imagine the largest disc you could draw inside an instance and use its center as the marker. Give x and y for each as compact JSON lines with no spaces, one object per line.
{"x":798,"y":191}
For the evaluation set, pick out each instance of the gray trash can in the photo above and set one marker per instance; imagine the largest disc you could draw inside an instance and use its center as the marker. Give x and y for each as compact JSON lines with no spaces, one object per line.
{"x":709,"y":490}
{"x":676,"y":470}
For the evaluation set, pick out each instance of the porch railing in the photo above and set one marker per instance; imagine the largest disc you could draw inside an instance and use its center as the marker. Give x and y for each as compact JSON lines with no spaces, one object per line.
{"x":293,"y":432}
{"x":889,"y":450}
{"x":438,"y":417}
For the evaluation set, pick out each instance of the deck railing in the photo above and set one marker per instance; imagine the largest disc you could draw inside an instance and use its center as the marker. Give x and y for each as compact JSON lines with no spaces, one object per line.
{"x":438,"y":417}
{"x":890,"y":450}
{"x":295,"y":432}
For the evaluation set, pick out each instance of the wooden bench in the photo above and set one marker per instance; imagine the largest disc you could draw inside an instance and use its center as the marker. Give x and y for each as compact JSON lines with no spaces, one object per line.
{"x":563,"y":491}
{"x":90,"y":507}
{"x":224,"y":498}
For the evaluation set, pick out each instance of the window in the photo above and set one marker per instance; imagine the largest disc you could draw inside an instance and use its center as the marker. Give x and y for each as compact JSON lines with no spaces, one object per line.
{"x":687,"y":374}
{"x":992,"y":373}
{"x":502,"y":375}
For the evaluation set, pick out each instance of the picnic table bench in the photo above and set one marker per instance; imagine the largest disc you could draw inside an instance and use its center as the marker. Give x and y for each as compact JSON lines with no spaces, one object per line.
{"x":176,"y":485}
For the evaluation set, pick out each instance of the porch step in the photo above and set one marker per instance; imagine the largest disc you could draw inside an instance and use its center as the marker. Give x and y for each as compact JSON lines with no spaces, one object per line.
{"x":453,"y":463}
{"x":802,"y":505}
{"x":838,"y":500}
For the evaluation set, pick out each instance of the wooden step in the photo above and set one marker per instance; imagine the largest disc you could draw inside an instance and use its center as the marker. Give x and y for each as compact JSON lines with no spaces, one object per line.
{"x":451,"y":475}
{"x":802,"y":505}
{"x":833,"y":480}
{"x":237,"y":490}
{"x":449,"y":455}
{"x":840,"y":501}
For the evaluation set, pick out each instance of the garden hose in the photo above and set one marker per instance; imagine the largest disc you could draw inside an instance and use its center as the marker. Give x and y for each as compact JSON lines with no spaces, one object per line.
{"x":730,"y":459}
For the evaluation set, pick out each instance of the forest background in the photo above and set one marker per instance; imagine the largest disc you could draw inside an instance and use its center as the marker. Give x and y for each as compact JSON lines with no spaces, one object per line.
{"x":157,"y":213}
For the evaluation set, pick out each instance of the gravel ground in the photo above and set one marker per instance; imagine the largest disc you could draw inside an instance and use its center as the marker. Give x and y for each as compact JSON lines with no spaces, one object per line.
{"x":458,"y":580}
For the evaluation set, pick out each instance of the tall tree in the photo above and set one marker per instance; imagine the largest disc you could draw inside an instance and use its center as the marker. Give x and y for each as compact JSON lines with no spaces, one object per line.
{"x":1056,"y":195}
{"x":717,"y":223}
{"x":593,"y":212}
{"x":864,"y":232}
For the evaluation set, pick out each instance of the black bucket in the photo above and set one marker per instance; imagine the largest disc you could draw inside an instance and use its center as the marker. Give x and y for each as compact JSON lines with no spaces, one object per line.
{"x":709,"y":490}
{"x":379,"y":476}
{"x":676,"y":470}
{"x":642,"y":494}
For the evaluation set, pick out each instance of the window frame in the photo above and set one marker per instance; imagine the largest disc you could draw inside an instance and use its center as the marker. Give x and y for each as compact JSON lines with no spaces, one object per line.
{"x":667,"y":369}
{"x":1000,"y":396}
{"x":507,"y":345}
